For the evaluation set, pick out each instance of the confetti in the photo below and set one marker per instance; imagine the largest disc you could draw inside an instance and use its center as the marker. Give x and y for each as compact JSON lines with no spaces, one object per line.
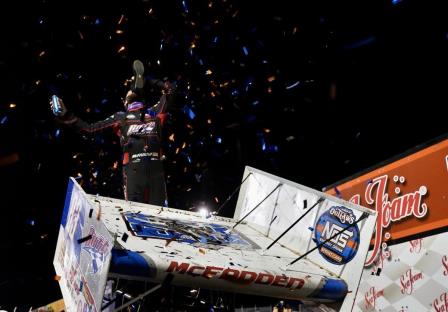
{"x":291,"y":86}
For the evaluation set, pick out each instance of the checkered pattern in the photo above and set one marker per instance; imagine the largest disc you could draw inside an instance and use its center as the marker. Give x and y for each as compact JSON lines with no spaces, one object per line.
{"x":388,"y":285}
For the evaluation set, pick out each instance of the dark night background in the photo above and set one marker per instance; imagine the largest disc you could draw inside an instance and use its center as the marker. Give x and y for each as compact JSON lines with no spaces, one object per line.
{"x":312,"y":91}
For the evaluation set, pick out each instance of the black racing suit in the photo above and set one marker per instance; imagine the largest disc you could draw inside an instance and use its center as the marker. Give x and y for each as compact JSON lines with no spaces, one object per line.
{"x":143,"y":174}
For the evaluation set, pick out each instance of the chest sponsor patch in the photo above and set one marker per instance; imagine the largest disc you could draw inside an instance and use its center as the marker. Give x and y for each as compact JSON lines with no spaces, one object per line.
{"x":142,"y":129}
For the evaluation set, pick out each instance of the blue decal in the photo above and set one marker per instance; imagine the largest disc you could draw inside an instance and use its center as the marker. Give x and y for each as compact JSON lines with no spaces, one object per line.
{"x":333,"y":289}
{"x":343,"y":246}
{"x":68,"y":197}
{"x":193,"y":233}
{"x":126,"y":262}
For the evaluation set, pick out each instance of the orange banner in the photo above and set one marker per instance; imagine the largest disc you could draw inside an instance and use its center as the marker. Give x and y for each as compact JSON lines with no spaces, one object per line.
{"x":410,"y":195}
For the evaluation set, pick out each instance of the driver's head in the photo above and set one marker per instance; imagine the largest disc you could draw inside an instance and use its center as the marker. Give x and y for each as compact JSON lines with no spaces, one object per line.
{"x":130,"y":98}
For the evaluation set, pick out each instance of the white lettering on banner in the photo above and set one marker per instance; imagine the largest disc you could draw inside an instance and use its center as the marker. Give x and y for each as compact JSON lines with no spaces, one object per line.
{"x":440,"y":304}
{"x":371,"y":296}
{"x":399,"y":208}
{"x":331,"y":229}
{"x":407,"y":281}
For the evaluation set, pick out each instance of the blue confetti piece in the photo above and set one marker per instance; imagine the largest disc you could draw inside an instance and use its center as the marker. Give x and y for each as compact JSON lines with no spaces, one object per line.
{"x":262,"y":141}
{"x":395,"y":2}
{"x":189,"y":112}
{"x":104,"y":101}
{"x":235,"y":92}
{"x":246,"y":52}
{"x":251,"y":118}
{"x":338,"y":193}
{"x":255,"y":103}
{"x":4,"y":120}
{"x":58,"y":132}
{"x":218,"y":140}
{"x":360,"y":43}
{"x":249,"y":83}
{"x":184,"y":4}
{"x":189,"y":159}
{"x":97,"y":21}
{"x":201,"y":62}
{"x":273,"y":148}
{"x":215,"y":40}
{"x":295,"y":84}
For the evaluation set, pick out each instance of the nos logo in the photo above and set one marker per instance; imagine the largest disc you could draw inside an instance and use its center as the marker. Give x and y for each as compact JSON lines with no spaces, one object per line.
{"x":343,"y":247}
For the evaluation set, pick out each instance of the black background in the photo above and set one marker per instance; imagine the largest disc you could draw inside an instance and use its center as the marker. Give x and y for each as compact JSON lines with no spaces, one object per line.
{"x":372,"y":84}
